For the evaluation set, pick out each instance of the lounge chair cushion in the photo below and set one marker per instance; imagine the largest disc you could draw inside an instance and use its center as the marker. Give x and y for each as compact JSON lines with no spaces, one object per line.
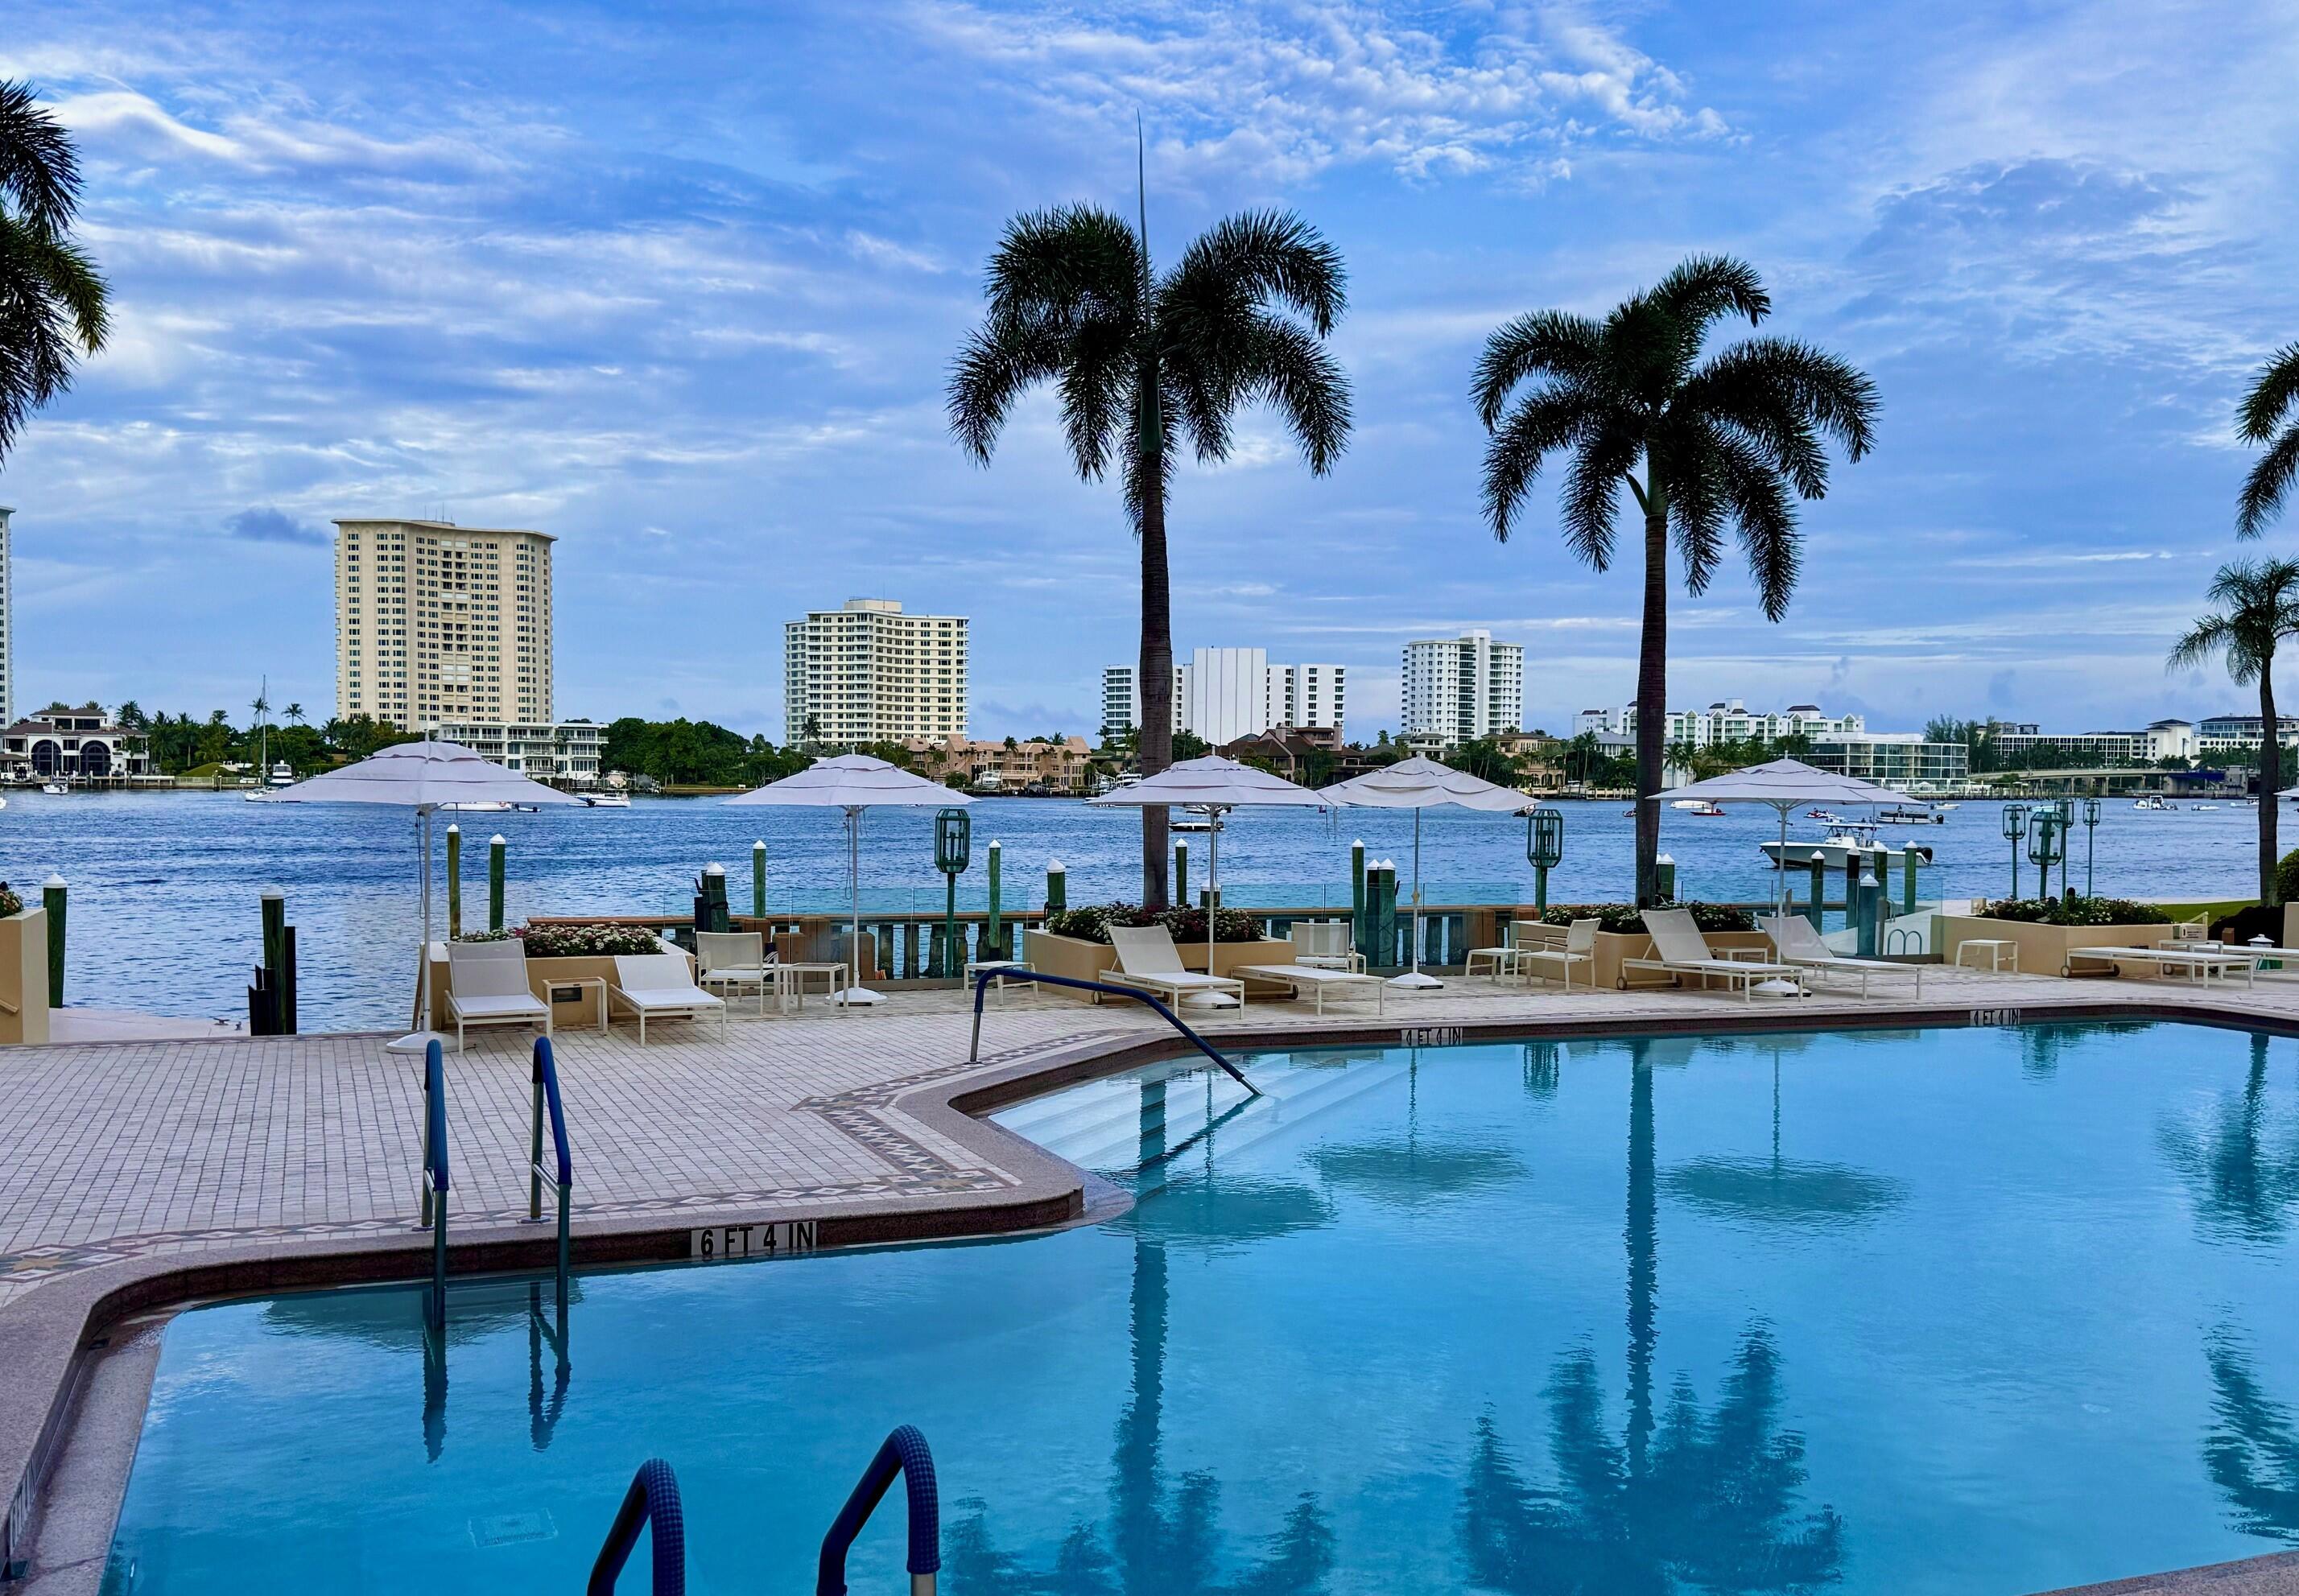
{"x":492,"y":1008}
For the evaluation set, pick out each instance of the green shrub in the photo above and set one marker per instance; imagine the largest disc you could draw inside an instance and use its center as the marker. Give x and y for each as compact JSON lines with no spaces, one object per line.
{"x":2286,"y":877}
{"x":10,"y":904}
{"x":501,"y":936}
{"x":1090,"y":923}
{"x":2075,"y":911}
{"x":586,"y":941}
{"x":2255,"y":920}
{"x":1628,"y":919}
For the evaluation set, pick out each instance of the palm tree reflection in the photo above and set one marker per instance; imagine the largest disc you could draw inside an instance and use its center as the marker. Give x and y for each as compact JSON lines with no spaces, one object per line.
{"x":2243,"y":1166}
{"x":1711,"y":1498}
{"x":1163,"y":1535}
{"x":2252,"y":1449}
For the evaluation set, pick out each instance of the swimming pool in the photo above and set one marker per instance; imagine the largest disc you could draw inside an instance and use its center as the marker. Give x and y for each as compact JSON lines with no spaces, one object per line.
{"x":1962,"y":1310}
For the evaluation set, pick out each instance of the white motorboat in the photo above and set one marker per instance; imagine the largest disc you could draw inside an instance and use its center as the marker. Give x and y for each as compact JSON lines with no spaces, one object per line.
{"x":2152,"y":800}
{"x":608,"y":800}
{"x":54,"y":789}
{"x":489,"y":807}
{"x":282,"y":774}
{"x":1843,"y":839}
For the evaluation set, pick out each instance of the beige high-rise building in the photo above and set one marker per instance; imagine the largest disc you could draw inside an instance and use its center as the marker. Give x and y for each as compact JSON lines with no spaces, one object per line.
{"x":867,"y":673}
{"x":438,"y":624}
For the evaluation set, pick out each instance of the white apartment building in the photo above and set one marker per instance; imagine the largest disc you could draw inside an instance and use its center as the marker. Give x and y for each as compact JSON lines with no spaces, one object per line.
{"x":439,"y":624}
{"x":1458,"y":690}
{"x":1223,"y":694}
{"x":2236,"y":733}
{"x":566,"y":754}
{"x":7,"y":619}
{"x":2161,"y":739}
{"x":869,"y":672}
{"x":1728,"y":720}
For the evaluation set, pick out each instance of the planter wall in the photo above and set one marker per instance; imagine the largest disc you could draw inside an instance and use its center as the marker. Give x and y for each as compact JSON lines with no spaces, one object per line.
{"x":24,"y":976}
{"x":1080,"y":959}
{"x":2043,"y":948}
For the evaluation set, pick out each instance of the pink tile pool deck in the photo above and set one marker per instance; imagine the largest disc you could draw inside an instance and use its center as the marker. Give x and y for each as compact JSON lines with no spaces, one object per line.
{"x":139,"y":1174}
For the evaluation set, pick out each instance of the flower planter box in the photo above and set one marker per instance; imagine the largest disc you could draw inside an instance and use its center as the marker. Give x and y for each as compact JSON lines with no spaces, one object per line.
{"x":24,"y":976}
{"x":2043,"y":948}
{"x":579,"y":1009}
{"x":1080,"y":959}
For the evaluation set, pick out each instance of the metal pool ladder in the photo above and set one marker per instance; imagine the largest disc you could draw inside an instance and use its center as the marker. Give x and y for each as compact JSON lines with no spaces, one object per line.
{"x":983,"y":977}
{"x":904,"y":1452}
{"x":547,"y":1101}
{"x":653,"y":1503}
{"x":435,"y":1179}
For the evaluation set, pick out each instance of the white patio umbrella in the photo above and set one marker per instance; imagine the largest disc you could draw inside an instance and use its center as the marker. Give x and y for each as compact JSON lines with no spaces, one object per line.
{"x":1418,"y":784}
{"x":853,"y":783}
{"x":1784,"y":783}
{"x":425,"y":777}
{"x":1213,"y":786}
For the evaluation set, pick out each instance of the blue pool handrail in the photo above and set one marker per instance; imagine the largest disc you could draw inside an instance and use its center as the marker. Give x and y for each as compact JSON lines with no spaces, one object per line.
{"x":905,"y":1452}
{"x":650,"y":1503}
{"x":983,"y":977}
{"x":434,"y":1175}
{"x":546,"y":1102}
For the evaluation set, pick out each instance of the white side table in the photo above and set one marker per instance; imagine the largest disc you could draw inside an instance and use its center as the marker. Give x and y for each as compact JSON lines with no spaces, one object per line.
{"x":1005,"y":968}
{"x":1995,"y":952}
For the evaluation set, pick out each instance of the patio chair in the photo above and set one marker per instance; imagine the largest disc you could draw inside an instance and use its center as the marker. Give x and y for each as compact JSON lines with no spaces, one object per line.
{"x":1324,"y":945}
{"x":1501,"y":960}
{"x":657,"y":986}
{"x":731,"y":961}
{"x":1580,"y":947}
{"x":1147,"y":958}
{"x":1681,"y":950}
{"x":488,"y":985}
{"x":1800,"y":945}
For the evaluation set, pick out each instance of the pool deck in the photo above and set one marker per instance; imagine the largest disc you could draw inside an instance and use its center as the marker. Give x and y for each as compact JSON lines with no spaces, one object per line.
{"x":138,"y":1174}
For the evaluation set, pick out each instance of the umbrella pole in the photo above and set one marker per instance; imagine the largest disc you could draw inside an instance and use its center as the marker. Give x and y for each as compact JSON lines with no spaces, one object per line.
{"x":419,"y":1038}
{"x":856,"y":992}
{"x":1413,"y":978}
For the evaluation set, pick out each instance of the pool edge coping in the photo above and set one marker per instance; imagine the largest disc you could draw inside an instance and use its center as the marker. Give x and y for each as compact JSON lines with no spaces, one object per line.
{"x":46,"y":1333}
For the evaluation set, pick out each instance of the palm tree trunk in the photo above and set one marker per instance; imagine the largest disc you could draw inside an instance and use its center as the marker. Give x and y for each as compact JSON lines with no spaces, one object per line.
{"x":2270,"y":778}
{"x":1652,"y":686}
{"x":1154,"y":681}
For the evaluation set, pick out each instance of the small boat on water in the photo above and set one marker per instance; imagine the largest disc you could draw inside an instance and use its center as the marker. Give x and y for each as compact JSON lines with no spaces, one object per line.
{"x":54,"y":789}
{"x":1700,"y":806}
{"x":1901,"y":814}
{"x":282,"y":774}
{"x":1844,"y":838}
{"x":1827,"y":817}
{"x":2152,"y":800}
{"x":607,"y":800}
{"x":489,"y":807}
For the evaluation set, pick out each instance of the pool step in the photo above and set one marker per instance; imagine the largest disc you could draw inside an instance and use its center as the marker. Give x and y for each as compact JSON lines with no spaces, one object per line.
{"x":1277,"y":1113}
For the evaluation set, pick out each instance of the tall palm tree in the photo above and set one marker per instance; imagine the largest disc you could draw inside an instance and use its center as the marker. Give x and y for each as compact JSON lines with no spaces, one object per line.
{"x":52,"y":299}
{"x":2265,"y":416}
{"x":295,"y":714}
{"x":2258,"y":607}
{"x":1730,"y":440}
{"x":1073,"y":302}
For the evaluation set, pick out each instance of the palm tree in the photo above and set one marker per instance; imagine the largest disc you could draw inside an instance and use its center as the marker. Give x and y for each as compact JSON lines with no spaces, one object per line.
{"x":295,"y":714}
{"x":2265,"y":416}
{"x":1073,"y":302}
{"x":52,"y":299}
{"x":2258,"y":608}
{"x":1733,"y":439}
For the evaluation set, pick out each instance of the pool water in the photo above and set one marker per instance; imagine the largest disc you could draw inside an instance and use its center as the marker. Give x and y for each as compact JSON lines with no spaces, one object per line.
{"x":1962,"y":1311}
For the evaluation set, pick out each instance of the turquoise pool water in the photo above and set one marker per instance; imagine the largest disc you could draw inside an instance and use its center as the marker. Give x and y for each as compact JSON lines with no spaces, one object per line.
{"x":1967,"y":1310}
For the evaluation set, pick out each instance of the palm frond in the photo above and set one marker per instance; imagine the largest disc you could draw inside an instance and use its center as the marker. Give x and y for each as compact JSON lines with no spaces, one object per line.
{"x":1097,"y":377}
{"x":2266,"y":485}
{"x":1071,"y":261}
{"x":39,"y":172}
{"x":1263,"y":257}
{"x":2268,"y":400}
{"x":1783,"y":394}
{"x":1543,"y":422}
{"x":1766,"y":517}
{"x":1297,"y":375}
{"x":1591,"y":501}
{"x":1703,"y":288}
{"x":1542,"y":343}
{"x":1135,"y":481}
{"x":995,"y":366}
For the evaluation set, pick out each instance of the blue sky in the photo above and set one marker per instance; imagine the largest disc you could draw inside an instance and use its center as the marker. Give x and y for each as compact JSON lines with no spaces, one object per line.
{"x":679,"y":282}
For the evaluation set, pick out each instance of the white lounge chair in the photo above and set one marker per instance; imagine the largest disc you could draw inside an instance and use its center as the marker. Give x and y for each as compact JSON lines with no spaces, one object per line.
{"x":1147,"y":958}
{"x":1318,"y":981}
{"x":1681,"y":950}
{"x":731,"y":961}
{"x":656,"y":986}
{"x":2199,"y":959}
{"x":1799,"y":944}
{"x":488,"y":985}
{"x":1580,"y":947}
{"x":1323,"y":945}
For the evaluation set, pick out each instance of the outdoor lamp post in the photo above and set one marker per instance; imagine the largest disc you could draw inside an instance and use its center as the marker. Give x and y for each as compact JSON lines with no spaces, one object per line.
{"x":2047,"y":844}
{"x":1544,"y":847}
{"x":2015,"y":828}
{"x":953,"y":834}
{"x":2091,"y":828}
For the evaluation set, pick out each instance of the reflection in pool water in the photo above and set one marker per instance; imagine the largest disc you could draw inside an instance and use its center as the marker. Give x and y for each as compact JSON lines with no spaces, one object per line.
{"x":1947,"y":1311}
